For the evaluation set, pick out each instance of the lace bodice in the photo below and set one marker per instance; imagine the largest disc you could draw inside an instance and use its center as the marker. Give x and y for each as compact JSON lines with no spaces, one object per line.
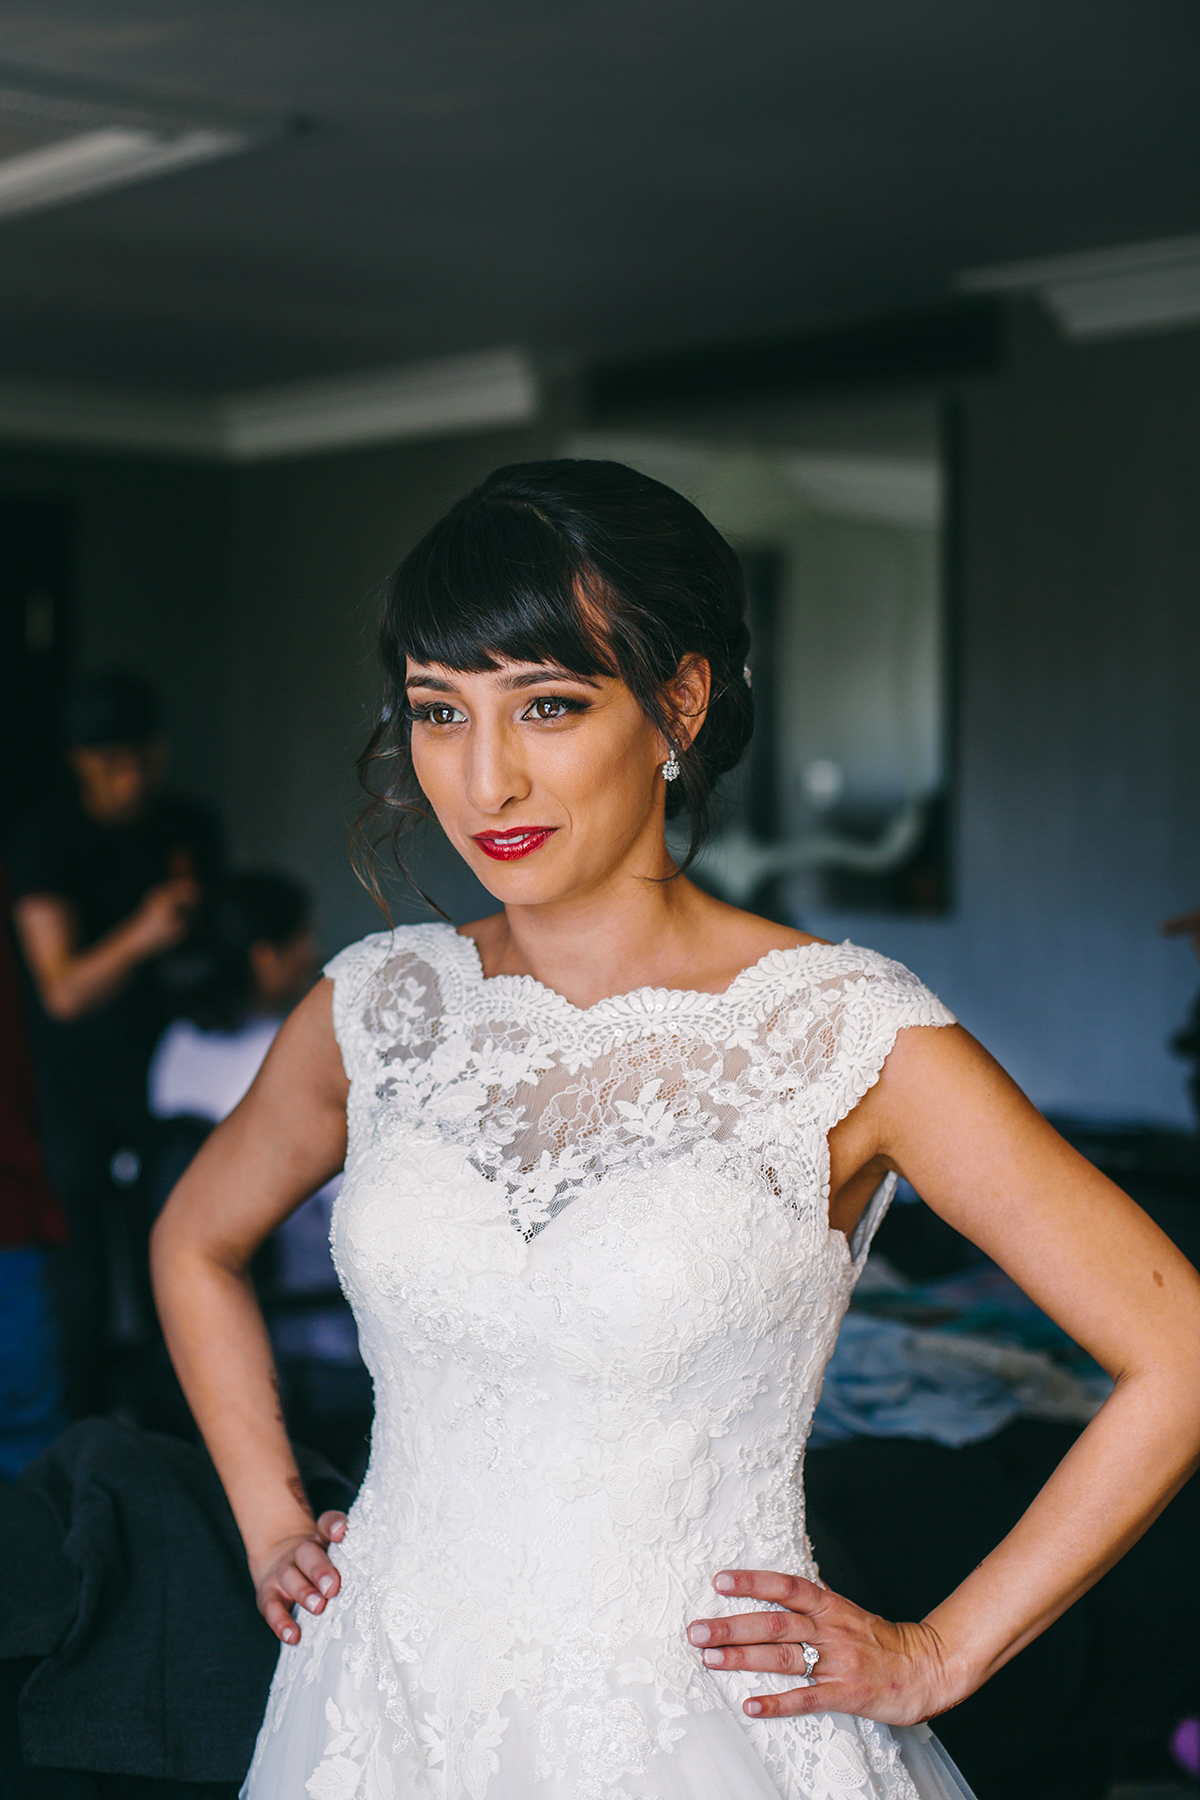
{"x":590,"y":1258}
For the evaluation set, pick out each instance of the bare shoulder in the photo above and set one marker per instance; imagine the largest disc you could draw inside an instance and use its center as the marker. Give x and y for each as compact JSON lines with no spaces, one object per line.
{"x":938,"y":1087}
{"x":305,"y":1055}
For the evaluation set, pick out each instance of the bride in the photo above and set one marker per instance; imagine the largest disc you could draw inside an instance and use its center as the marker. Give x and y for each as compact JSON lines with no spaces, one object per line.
{"x":614,"y":1156}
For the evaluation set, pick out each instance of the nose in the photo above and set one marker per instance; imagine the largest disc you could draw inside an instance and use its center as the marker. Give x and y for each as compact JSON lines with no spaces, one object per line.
{"x":495,"y":772}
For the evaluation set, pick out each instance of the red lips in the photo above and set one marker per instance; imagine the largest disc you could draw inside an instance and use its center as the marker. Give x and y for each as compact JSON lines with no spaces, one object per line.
{"x":509,"y":846}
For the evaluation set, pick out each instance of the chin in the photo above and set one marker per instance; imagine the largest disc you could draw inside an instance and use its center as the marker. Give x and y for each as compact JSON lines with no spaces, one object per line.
{"x":519,"y":883}
{"x":517,"y":889}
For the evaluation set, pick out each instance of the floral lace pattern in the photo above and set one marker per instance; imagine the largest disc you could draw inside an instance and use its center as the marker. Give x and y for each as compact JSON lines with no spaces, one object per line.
{"x":596,"y":1287}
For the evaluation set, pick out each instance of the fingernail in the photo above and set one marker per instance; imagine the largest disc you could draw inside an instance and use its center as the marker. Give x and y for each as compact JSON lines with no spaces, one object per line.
{"x":699,"y":1634}
{"x":714,"y":1658}
{"x":314,"y":1602}
{"x":290,"y":1636}
{"x":754,"y":1706}
{"x":325,"y":1584}
{"x":723,"y":1584}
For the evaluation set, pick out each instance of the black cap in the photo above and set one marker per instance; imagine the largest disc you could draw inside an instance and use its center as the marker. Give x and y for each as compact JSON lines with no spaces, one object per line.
{"x":117,"y":707}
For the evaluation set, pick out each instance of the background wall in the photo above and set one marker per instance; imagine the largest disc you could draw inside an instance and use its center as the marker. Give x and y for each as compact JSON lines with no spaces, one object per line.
{"x":249,"y":596}
{"x":1078,"y":804}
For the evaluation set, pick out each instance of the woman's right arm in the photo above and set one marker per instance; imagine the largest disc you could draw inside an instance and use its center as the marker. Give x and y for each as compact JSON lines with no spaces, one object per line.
{"x":285,"y":1140}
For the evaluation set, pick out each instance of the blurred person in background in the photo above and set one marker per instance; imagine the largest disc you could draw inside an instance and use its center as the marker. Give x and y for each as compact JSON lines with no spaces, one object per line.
{"x":30,"y":1221}
{"x":105,"y":885}
{"x":255,"y":958}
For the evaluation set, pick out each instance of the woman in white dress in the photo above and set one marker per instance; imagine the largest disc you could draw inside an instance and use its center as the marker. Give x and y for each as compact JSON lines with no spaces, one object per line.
{"x":613,"y":1160}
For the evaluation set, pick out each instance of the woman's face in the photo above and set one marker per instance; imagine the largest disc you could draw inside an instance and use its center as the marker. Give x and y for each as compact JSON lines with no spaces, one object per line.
{"x":546,"y":784}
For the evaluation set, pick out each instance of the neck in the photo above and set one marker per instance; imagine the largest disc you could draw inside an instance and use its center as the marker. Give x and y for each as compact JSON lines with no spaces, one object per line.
{"x":640,"y":932}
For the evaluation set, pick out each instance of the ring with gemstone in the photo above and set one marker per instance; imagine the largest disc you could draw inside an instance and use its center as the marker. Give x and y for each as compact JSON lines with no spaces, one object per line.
{"x":812,"y":1657}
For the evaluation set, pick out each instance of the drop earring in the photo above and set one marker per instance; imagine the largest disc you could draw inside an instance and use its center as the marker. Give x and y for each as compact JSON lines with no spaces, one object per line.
{"x":672,"y":767}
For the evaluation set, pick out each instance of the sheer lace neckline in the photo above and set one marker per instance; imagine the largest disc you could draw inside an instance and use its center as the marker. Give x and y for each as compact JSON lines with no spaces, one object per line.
{"x":769,"y":967}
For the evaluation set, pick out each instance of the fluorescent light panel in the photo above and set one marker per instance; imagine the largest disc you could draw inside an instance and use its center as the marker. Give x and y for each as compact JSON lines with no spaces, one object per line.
{"x":66,"y":141}
{"x":107,"y":158}
{"x":1106,"y":293}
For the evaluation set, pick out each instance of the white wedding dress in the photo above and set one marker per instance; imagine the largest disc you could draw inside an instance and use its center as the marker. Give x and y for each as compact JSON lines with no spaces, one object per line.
{"x":596,"y":1287}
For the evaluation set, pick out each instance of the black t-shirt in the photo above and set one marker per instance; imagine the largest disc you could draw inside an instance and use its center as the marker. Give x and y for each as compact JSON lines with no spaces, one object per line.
{"x":103,"y":872}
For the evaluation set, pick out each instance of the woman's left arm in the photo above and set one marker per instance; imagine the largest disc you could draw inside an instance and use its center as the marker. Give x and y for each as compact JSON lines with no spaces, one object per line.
{"x":948,"y":1118}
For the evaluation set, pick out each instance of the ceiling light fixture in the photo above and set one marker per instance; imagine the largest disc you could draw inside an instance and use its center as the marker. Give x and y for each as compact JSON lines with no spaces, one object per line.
{"x":108,"y":158}
{"x":61,"y":142}
{"x":1106,"y":293}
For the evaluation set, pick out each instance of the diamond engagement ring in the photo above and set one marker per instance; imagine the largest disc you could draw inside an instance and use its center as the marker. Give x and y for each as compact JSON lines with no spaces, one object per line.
{"x":812,"y":1657}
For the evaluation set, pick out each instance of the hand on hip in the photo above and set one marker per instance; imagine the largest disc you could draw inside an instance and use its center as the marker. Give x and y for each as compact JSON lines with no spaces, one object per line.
{"x":845,"y":1660}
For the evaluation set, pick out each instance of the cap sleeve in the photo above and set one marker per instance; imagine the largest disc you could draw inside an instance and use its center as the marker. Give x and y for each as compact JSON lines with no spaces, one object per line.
{"x":866,"y":1003}
{"x":351,"y":972}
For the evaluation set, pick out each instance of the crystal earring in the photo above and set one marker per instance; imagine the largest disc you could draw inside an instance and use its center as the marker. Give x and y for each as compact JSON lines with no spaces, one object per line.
{"x":672,"y":767}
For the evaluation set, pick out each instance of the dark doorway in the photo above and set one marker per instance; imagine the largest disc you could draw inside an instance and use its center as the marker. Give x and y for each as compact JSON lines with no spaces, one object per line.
{"x":36,"y":544}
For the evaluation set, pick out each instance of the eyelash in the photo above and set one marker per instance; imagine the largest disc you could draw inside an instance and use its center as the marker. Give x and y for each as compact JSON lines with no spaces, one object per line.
{"x":423,"y":714}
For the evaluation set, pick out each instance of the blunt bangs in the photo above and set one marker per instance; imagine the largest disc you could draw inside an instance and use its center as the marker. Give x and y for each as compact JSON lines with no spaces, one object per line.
{"x":497,"y":584}
{"x":582,"y":565}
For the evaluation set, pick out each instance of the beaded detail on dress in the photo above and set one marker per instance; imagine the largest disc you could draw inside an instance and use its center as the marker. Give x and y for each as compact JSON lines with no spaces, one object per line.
{"x":590,"y":1258}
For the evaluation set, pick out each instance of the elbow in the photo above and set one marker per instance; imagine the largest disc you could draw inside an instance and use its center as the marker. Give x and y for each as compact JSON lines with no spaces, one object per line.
{"x":172,"y":1249}
{"x":182,"y":1252}
{"x":169,"y":1247}
{"x":60,"y":1002}
{"x":162,"y":1254}
{"x":1167,"y":1377}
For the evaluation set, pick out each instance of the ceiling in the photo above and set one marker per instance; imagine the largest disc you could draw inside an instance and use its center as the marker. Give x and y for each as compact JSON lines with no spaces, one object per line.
{"x":583,"y":177}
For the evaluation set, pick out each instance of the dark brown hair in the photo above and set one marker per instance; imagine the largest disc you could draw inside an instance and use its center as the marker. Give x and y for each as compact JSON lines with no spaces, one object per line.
{"x":584,"y":564}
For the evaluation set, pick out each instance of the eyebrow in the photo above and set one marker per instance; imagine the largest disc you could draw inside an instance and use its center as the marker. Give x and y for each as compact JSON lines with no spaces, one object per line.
{"x":510,"y":683}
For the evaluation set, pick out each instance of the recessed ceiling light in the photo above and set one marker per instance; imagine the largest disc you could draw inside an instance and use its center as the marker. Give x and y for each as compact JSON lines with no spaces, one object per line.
{"x":61,"y":142}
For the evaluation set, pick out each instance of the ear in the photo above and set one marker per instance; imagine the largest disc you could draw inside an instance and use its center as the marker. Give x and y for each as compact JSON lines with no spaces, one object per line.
{"x":687,"y":695}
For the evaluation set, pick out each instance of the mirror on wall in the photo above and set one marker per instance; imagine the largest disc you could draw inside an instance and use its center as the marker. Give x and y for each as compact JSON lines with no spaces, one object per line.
{"x":839,"y":519}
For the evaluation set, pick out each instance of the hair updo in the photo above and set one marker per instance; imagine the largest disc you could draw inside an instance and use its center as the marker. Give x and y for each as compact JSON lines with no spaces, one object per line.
{"x":584,"y":564}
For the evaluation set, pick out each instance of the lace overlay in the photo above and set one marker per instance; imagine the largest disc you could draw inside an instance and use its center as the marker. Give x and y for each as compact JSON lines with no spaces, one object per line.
{"x":596,"y":1287}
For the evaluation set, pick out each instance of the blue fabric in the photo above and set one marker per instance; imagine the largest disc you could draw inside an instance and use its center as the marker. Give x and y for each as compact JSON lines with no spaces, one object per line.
{"x":953,"y":1361}
{"x":883,"y":1381}
{"x":31,"y":1414}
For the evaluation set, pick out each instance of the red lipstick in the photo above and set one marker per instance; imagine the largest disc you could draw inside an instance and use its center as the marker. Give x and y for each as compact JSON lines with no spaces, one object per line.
{"x":508,"y":846}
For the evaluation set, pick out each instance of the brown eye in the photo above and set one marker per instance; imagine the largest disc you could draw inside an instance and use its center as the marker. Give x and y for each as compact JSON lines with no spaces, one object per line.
{"x":549,"y":707}
{"x":438,"y":712}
